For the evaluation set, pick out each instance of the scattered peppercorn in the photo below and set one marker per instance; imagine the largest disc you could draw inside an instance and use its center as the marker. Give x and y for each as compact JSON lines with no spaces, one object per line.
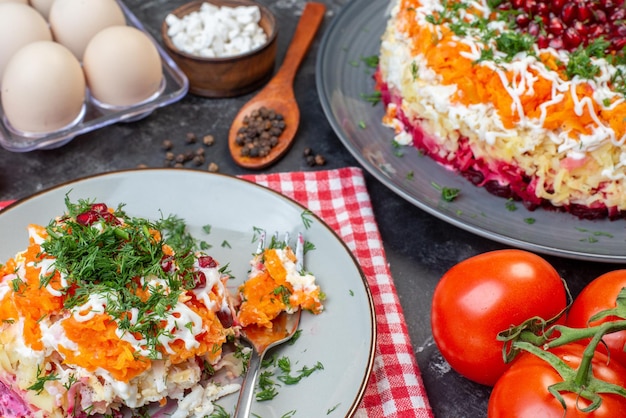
{"x":198,"y":160}
{"x":259,"y":132}
{"x":191,"y":138}
{"x":213,"y":168}
{"x":313,"y":159}
{"x":167,"y":145}
{"x":208,"y":140}
{"x":180,"y":159}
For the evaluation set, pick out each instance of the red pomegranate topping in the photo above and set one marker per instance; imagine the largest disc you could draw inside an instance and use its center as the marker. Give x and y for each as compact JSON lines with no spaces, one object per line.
{"x":99,"y":207}
{"x":206,"y":261}
{"x":570,"y":24}
{"x":225,"y":318}
{"x":88,"y":217}
{"x":199,"y":279}
{"x":167,"y":263}
{"x":97,"y":212}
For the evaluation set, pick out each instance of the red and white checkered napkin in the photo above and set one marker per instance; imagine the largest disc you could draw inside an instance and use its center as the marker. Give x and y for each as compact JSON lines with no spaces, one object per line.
{"x":340,"y":198}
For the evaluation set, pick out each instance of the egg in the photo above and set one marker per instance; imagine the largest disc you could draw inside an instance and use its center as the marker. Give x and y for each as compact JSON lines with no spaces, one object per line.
{"x":20,"y":25}
{"x":75,"y":22}
{"x":14,"y":1}
{"x":122,"y":66}
{"x":42,"y":6}
{"x":43,"y":88}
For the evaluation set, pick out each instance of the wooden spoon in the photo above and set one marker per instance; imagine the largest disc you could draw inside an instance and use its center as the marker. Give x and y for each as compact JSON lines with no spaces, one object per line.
{"x":278,"y":94}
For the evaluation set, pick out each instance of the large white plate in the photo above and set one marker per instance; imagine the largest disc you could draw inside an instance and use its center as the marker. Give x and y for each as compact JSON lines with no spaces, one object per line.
{"x":342,"y":338}
{"x":342,"y":78}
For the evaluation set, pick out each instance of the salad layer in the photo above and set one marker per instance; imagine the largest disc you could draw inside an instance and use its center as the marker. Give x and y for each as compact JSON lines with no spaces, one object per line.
{"x":528,"y":118}
{"x":103,"y":311}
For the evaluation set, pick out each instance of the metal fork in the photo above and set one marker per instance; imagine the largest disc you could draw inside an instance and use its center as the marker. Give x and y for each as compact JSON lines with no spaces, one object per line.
{"x":285,"y":326}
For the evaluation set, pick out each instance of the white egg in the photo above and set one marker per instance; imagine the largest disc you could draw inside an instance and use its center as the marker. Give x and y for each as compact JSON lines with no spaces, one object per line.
{"x":75,"y":22}
{"x":20,"y":25}
{"x":14,"y":1}
{"x":122,"y":66}
{"x":43,"y":88}
{"x":42,"y":6}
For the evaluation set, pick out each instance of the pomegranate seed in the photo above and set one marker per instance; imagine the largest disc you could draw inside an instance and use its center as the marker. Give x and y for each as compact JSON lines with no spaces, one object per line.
{"x":619,"y":32}
{"x":584,"y":13}
{"x":528,"y":5}
{"x":522,"y":21}
{"x":206,"y":261}
{"x":581,"y":29}
{"x":533,"y":29}
{"x":517,"y":4}
{"x":225,"y":318}
{"x":88,"y":217}
{"x":568,"y":14}
{"x":571,"y":38}
{"x":600,"y":16}
{"x":167,"y":264}
{"x":556,"y":43}
{"x":541,"y":9}
{"x":607,"y":5}
{"x":556,"y":26}
{"x":619,"y":14}
{"x":199,"y":279}
{"x":99,"y":207}
{"x":543,"y":41}
{"x":619,"y":44}
{"x":557,"y":6}
{"x":595,"y":31}
{"x":109,"y":218}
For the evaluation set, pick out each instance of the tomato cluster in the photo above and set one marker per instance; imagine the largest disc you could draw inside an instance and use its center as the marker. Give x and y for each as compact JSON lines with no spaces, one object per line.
{"x":482,"y":297}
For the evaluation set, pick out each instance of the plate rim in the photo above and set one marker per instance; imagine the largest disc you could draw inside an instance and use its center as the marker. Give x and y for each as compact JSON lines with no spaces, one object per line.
{"x":360,"y":392}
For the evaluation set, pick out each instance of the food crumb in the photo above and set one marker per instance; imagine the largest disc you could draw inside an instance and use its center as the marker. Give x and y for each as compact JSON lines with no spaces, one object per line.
{"x":213,"y":168}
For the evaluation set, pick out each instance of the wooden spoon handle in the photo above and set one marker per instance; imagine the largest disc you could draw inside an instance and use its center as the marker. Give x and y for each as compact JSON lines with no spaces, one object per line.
{"x":310,"y":21}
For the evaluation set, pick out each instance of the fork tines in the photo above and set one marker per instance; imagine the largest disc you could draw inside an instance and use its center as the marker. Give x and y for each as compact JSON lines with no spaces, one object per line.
{"x":299,"y":251}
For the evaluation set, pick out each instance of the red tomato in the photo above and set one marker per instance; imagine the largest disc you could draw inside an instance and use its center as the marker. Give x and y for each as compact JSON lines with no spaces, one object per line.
{"x":522,"y":391}
{"x":486,"y":294}
{"x":597,"y":296}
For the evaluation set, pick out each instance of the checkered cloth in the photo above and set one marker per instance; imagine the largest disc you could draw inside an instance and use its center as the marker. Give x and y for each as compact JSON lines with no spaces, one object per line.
{"x":340,"y":198}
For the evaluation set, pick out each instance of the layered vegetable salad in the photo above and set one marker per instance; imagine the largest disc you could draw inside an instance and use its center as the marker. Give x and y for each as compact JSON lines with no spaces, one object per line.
{"x":103,"y":311}
{"x":523,"y":98}
{"x":275,"y":284}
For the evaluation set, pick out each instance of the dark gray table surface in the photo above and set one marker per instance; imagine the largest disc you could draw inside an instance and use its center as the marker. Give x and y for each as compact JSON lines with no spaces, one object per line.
{"x":419,"y":246}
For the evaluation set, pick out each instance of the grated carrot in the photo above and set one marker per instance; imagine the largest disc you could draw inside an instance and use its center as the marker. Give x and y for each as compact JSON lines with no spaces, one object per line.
{"x":100,"y":347}
{"x":210,"y":340}
{"x":479,"y":84}
{"x":261,"y":303}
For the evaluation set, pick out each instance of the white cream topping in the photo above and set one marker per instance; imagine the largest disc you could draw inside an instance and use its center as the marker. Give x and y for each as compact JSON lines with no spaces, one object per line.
{"x":526,"y":70}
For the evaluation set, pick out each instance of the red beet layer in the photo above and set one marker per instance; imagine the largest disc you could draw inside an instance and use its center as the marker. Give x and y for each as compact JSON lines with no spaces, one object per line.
{"x":498,"y":178}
